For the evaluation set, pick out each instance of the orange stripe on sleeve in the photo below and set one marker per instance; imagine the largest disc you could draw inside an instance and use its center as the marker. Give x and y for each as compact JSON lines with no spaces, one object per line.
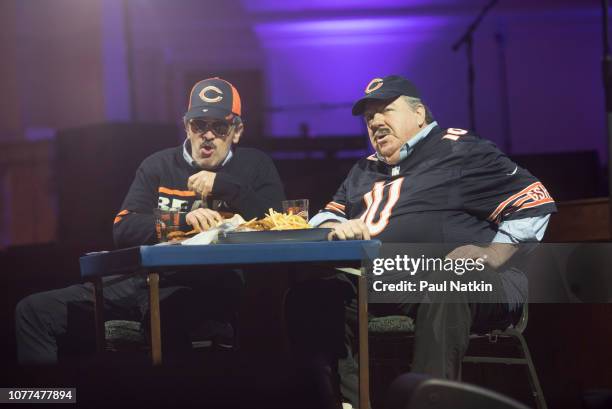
{"x":532,"y":196}
{"x":537,"y":203}
{"x":184,"y":193}
{"x":334,"y":207}
{"x":506,"y":202}
{"x":340,"y":206}
{"x":328,"y":207}
{"x":519,"y":202}
{"x":120,"y":215}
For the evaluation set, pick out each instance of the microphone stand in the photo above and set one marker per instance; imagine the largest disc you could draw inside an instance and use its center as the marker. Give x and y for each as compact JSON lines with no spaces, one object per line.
{"x":607,"y":79}
{"x":467,"y":39}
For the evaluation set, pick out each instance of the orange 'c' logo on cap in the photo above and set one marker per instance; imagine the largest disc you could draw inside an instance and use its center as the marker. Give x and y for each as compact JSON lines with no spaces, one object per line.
{"x":374,"y":85}
{"x":217,"y":94}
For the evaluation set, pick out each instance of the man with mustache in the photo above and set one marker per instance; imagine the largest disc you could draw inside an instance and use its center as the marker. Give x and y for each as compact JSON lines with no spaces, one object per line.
{"x":424,"y":184}
{"x":207,"y":168}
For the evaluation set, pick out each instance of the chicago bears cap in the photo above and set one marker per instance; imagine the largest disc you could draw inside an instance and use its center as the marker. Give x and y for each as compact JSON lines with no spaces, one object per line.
{"x":213,"y":98}
{"x":388,"y":87}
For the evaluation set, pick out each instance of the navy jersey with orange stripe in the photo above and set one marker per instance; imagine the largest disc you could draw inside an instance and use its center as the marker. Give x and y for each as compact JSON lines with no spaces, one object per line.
{"x":454,"y":187}
{"x":247,"y":184}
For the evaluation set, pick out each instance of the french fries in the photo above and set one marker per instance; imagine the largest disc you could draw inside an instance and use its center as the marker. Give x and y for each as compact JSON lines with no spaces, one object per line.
{"x":276,"y":221}
{"x":176,"y":235}
{"x":272,"y":221}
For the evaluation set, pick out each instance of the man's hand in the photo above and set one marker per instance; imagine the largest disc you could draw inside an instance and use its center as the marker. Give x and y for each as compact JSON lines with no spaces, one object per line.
{"x":493,"y":255}
{"x":202,"y":182}
{"x":204,"y":219}
{"x":349,"y":230}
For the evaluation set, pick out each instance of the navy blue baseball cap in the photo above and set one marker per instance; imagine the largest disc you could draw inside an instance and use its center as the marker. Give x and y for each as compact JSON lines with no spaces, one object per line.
{"x":388,"y":87}
{"x":213,"y":98}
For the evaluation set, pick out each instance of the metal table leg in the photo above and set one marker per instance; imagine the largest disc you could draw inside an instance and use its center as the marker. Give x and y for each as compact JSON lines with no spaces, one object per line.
{"x":364,"y":366}
{"x":99,"y":315}
{"x":156,"y":352}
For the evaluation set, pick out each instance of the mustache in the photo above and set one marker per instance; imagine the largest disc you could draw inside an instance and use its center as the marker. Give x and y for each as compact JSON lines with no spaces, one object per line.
{"x":381,"y":132}
{"x":207,"y":144}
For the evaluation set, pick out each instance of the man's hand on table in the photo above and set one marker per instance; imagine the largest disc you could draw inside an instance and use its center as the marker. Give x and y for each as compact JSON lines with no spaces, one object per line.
{"x":203,"y":219}
{"x":349,"y":230}
{"x":493,"y":255}
{"x":202,"y":182}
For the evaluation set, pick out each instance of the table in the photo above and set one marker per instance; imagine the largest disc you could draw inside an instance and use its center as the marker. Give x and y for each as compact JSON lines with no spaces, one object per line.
{"x":154,"y":260}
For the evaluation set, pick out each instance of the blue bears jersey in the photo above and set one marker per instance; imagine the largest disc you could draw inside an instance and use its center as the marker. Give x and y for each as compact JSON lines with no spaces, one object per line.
{"x":454,"y":187}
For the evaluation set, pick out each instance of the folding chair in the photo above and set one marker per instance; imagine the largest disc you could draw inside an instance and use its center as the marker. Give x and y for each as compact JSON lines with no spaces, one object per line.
{"x":395,"y":330}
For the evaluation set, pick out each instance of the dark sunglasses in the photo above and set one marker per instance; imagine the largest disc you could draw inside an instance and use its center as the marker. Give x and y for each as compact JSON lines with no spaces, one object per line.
{"x":219,"y":128}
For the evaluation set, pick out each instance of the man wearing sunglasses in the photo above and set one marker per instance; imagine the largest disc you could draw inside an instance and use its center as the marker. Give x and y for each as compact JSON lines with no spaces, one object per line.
{"x":227,"y":180}
{"x":203,"y":177}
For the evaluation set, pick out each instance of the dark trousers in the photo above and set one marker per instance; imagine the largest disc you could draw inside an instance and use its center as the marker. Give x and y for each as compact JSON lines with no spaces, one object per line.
{"x":322,"y":316}
{"x":62,"y":320}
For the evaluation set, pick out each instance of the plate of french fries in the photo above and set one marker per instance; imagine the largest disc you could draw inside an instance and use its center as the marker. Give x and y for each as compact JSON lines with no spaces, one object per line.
{"x":274,"y":227}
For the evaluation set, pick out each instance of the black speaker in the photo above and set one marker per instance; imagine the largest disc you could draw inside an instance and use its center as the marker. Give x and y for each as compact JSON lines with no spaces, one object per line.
{"x":414,"y":391}
{"x":95,"y":167}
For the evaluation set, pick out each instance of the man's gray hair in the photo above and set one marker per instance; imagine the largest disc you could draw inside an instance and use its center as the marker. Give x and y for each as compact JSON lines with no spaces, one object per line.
{"x":414,"y":103}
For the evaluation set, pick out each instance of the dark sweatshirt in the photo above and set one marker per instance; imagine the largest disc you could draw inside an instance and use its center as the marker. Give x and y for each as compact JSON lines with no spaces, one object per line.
{"x":248,"y":184}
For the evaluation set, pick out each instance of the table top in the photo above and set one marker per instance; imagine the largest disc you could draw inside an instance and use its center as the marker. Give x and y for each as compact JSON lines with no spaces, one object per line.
{"x":159,"y":258}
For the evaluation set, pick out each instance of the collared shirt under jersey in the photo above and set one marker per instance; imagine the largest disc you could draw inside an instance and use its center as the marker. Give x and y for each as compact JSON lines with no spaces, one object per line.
{"x":527,"y":229}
